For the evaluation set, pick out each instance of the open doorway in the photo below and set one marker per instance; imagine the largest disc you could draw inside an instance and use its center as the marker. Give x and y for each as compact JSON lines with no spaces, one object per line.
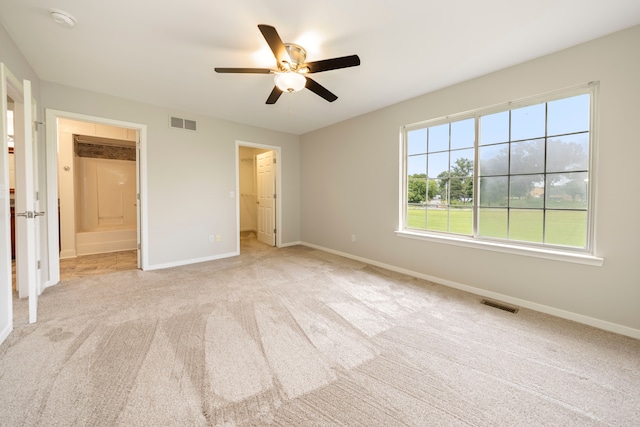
{"x":258,"y":188}
{"x":98,"y":175}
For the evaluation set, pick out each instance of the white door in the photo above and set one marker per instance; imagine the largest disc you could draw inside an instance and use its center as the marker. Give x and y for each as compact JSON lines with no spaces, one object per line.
{"x":26,"y":205}
{"x":266,"y":198}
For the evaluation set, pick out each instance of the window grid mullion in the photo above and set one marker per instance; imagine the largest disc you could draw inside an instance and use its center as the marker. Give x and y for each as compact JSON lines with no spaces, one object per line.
{"x":509,"y":177}
{"x":475,"y":205}
{"x":427,"y":177}
{"x":546,"y":153}
{"x":449,"y":181}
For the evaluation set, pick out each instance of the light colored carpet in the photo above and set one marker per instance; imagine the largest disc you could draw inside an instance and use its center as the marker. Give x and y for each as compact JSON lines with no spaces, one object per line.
{"x":300,"y":337}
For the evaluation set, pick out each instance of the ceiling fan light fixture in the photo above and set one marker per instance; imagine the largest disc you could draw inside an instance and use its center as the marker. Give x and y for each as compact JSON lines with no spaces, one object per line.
{"x":290,"y":82}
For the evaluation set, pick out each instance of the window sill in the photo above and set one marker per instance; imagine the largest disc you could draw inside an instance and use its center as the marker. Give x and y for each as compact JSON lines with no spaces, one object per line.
{"x":555,"y":255}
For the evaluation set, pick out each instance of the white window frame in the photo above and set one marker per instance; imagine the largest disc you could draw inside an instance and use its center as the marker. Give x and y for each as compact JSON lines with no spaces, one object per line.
{"x":577,"y":255}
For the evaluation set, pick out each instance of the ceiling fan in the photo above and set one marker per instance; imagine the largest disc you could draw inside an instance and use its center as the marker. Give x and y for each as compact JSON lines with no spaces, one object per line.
{"x":292,"y":70}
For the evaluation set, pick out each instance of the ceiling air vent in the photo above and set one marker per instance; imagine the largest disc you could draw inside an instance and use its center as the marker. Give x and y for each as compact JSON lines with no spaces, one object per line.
{"x":178,"y":123}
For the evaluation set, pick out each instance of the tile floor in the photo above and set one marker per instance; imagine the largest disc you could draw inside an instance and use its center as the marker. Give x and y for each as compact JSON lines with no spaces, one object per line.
{"x":89,"y":265}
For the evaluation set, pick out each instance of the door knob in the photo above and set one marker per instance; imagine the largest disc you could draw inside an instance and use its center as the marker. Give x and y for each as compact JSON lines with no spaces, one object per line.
{"x":29,"y":214}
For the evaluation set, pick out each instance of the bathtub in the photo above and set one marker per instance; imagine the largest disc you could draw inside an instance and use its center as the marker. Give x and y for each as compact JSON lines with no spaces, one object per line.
{"x":95,"y":242}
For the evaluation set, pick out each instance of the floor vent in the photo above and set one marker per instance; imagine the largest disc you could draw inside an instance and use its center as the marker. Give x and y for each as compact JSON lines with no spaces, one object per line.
{"x":178,"y":123}
{"x":499,"y":306}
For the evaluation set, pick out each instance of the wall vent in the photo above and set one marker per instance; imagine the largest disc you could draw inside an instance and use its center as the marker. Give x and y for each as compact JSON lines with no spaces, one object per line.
{"x":189,"y":124}
{"x":499,"y":306}
{"x":178,"y":123}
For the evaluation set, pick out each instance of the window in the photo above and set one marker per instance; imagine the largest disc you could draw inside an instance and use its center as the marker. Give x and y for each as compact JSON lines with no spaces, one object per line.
{"x":516,"y":174}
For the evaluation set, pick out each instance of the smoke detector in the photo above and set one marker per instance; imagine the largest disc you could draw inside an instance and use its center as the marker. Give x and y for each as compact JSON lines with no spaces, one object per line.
{"x":63,"y":18}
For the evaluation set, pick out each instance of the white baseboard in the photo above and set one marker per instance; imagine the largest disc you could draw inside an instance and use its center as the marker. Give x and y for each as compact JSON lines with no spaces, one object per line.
{"x":68,"y":253}
{"x":576,"y":317}
{"x":285,"y":245}
{"x":191,"y":261}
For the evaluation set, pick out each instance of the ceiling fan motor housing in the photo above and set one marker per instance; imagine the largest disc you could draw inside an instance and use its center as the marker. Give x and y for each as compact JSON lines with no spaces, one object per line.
{"x":297,"y":54}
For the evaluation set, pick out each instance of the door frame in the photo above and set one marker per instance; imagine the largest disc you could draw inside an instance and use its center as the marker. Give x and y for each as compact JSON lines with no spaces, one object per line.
{"x":12,"y":87}
{"x":52,"y":117}
{"x":278,"y":187}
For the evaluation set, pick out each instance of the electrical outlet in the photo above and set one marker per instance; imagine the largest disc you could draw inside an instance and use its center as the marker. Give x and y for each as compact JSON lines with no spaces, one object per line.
{"x":217,"y":237}
{"x":211,"y":238}
{"x":353,"y":237}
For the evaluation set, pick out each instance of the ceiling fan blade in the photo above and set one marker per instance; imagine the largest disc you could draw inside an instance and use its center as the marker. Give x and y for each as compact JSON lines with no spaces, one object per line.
{"x":275,"y":43}
{"x":275,"y":94}
{"x":320,"y":90}
{"x":244,"y":70}
{"x":333,"y":64}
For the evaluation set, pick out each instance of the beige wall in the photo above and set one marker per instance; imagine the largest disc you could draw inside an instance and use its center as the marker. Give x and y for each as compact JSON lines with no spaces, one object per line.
{"x":189,"y":175}
{"x":350,"y":184}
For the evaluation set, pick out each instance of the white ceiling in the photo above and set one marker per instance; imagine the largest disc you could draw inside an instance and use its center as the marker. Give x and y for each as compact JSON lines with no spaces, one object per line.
{"x":163,"y":52}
